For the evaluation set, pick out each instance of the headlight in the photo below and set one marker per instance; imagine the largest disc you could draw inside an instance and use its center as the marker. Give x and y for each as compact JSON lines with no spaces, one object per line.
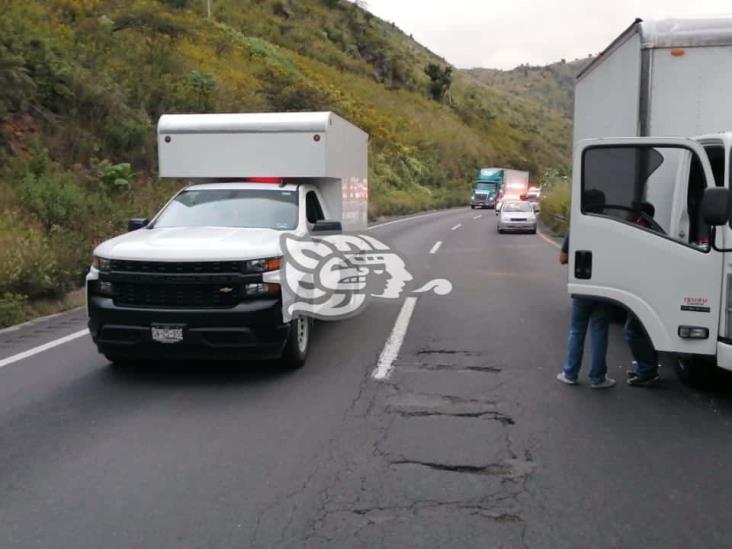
{"x":259,"y":289}
{"x":262,"y":265}
{"x":101,"y":263}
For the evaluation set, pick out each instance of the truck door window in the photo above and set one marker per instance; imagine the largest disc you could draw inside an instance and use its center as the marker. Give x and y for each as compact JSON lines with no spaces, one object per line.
{"x":652,"y":188}
{"x":715,"y":153}
{"x":313,"y":210}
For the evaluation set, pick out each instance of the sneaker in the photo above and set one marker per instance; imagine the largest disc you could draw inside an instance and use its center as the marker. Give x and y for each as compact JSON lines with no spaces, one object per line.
{"x":604,"y":384}
{"x":564,"y":379}
{"x":631,"y":374}
{"x":638,"y":381}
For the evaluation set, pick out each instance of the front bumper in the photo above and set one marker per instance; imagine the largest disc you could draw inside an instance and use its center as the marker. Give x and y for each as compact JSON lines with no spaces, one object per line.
{"x":483,"y":203}
{"x":252,"y":329}
{"x":517,"y":227}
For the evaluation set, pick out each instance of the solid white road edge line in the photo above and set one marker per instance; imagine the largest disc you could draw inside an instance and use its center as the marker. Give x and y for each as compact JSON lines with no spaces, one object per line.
{"x":409,"y":218}
{"x":456,"y":227}
{"x":436,"y":247}
{"x":548,"y":240}
{"x":41,"y":348}
{"x":392,"y":346}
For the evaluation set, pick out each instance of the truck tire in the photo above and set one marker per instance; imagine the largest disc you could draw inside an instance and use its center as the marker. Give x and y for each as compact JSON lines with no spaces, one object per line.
{"x":693,"y":370}
{"x":472,"y":207}
{"x":298,"y":343}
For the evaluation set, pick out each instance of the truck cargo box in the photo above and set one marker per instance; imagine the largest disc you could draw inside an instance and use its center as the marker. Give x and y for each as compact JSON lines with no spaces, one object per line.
{"x":668,"y":77}
{"x":320,"y":148}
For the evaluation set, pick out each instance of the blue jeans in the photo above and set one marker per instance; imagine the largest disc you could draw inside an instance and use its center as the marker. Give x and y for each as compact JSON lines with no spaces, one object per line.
{"x":586,"y":312}
{"x":645,"y":355}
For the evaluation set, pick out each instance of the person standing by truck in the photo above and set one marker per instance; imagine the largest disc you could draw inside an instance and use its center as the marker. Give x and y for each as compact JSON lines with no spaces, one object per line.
{"x":586,"y":313}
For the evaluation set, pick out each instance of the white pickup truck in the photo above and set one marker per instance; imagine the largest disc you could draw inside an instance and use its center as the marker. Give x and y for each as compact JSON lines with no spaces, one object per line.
{"x":200,"y":280}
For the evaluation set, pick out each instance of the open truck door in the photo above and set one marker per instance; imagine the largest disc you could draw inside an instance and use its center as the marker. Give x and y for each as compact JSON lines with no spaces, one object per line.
{"x":637,"y":237}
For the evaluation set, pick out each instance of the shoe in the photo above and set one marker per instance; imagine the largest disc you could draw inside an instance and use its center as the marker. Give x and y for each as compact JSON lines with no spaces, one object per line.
{"x":638,"y":381}
{"x":564,"y":379}
{"x":604,"y":384}
{"x":631,"y":374}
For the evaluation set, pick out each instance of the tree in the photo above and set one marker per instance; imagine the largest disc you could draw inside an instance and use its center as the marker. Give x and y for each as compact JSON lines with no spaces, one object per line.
{"x":440,"y":80}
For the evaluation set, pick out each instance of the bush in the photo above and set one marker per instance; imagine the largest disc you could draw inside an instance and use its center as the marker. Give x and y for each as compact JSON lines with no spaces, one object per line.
{"x":555,"y":208}
{"x":114,"y":177}
{"x":55,"y":199}
{"x":11,"y":309}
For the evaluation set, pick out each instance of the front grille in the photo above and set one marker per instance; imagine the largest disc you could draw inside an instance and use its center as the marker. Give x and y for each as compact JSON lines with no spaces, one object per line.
{"x":177,"y":284}
{"x":481,"y":196}
{"x":176,"y":267}
{"x":131,"y":294}
{"x":522,"y":220}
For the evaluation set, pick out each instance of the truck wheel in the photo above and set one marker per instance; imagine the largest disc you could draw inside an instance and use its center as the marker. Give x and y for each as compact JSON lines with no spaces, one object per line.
{"x":693,"y":370}
{"x":298,"y":343}
{"x":472,"y":207}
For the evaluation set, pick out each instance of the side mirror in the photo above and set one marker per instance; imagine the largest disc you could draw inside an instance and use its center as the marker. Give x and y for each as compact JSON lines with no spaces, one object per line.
{"x":716,"y":206}
{"x":325,"y":226}
{"x":137,"y":223}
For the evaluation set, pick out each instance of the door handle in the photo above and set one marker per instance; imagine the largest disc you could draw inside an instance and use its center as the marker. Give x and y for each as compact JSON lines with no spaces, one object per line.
{"x":583,"y":264}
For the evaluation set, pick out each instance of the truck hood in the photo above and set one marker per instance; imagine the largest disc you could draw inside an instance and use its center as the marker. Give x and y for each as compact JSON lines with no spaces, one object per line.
{"x":192,"y":244}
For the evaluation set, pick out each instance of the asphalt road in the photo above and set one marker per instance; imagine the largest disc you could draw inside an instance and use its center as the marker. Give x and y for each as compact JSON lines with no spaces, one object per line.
{"x":468,"y":442}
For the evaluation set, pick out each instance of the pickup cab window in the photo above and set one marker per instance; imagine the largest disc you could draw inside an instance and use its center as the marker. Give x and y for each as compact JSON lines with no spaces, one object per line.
{"x":240,"y":208}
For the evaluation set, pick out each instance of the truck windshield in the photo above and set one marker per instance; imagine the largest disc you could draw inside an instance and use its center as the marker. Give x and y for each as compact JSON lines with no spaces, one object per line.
{"x":485,"y":187}
{"x":241,"y":208}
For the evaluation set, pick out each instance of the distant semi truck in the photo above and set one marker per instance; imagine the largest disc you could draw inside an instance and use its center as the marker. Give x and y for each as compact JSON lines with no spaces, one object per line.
{"x":493,"y":184}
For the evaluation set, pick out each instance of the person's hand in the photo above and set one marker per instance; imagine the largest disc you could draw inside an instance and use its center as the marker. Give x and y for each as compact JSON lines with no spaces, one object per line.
{"x":563,"y":258}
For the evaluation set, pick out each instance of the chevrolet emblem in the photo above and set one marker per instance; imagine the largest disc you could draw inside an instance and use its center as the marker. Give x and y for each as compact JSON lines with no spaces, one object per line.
{"x":226,"y":290}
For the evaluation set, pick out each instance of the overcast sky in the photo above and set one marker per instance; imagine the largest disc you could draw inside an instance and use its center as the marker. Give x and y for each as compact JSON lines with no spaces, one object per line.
{"x":506,"y":33}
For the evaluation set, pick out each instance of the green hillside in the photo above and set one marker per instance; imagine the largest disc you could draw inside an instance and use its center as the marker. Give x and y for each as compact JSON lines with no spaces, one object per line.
{"x":550,"y":85}
{"x":82,"y":83}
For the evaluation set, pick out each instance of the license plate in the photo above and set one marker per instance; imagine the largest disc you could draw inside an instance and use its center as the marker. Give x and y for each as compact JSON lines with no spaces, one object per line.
{"x":167,"y":334}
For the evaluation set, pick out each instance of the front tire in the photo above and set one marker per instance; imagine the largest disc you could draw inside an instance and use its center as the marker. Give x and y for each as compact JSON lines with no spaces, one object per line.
{"x":298,"y":343}
{"x":693,"y":370}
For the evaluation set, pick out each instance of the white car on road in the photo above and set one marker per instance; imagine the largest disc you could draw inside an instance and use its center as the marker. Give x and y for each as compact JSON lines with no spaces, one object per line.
{"x":517,"y":216}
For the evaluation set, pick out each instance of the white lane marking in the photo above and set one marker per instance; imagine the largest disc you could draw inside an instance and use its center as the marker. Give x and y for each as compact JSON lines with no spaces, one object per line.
{"x":477,"y":216}
{"x":409,"y":218}
{"x":548,"y":240}
{"x":41,"y":348}
{"x":456,"y":227}
{"x":436,"y":247}
{"x":393,"y":345}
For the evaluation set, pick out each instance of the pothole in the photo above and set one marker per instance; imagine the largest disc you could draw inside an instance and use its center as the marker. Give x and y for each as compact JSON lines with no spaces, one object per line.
{"x":425,"y":405}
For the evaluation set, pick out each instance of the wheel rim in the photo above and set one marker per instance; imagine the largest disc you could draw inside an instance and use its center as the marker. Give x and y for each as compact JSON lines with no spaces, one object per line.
{"x":302,"y":334}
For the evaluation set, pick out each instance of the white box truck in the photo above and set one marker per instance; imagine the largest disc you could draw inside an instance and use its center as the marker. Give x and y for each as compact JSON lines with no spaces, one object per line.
{"x":200,"y":279}
{"x":646,"y":198}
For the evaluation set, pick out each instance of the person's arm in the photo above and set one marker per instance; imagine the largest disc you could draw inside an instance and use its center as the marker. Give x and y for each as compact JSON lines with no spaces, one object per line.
{"x":564,"y":253}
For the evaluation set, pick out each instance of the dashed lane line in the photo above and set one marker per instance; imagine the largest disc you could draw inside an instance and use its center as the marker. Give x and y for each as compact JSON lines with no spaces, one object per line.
{"x":41,"y":348}
{"x":436,"y":247}
{"x":456,"y":227}
{"x":393,"y":345}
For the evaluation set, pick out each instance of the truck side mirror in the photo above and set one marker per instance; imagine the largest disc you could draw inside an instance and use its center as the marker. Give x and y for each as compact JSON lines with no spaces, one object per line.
{"x":137,"y":223}
{"x":324,"y":226}
{"x":716,"y":206}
